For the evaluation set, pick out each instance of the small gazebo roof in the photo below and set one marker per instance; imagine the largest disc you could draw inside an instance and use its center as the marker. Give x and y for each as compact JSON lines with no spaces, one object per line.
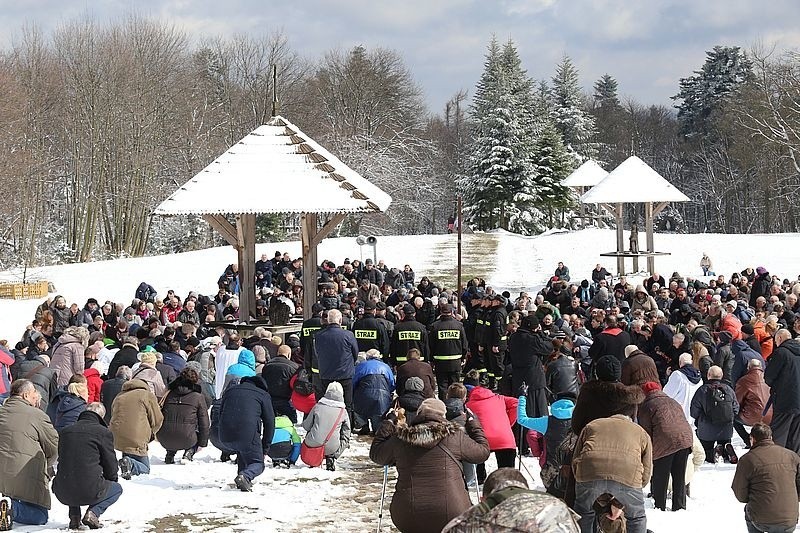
{"x":633,"y":181}
{"x":276,"y":168}
{"x":588,"y":174}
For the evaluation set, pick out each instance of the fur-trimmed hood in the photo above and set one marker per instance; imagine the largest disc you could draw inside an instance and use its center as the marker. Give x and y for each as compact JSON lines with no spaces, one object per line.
{"x":427,"y":434}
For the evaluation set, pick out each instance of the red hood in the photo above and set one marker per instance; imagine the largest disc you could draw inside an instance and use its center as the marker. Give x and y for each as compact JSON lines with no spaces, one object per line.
{"x":613,"y":331}
{"x":480,"y":393}
{"x":89,"y":372}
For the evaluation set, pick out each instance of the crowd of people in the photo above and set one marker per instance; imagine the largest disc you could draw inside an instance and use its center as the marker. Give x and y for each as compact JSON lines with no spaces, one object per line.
{"x":612,"y":386}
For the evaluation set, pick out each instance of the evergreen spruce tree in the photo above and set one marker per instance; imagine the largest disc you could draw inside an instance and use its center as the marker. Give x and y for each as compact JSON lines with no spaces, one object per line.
{"x":576,"y":126}
{"x":553,"y":164}
{"x":725,"y":70}
{"x":605,"y":91}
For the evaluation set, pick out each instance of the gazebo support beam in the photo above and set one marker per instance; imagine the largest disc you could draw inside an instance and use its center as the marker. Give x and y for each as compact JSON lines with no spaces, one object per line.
{"x":648,"y":223}
{"x":221,"y":225}
{"x":310,"y":237}
{"x":620,"y":239}
{"x":246,"y":250}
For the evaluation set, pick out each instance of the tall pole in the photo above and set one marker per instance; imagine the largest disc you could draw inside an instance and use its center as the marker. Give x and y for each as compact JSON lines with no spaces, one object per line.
{"x":274,"y":90}
{"x":458,"y":221}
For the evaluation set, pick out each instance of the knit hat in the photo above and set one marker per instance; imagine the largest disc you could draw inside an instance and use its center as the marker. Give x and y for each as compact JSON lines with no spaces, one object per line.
{"x":748,"y":328}
{"x":650,"y":386}
{"x":148,"y":358}
{"x":725,"y":337}
{"x":629,"y":349}
{"x":335,"y":392}
{"x":431,"y":408}
{"x":608,"y":368}
{"x":761,"y":271}
{"x":414,"y":384}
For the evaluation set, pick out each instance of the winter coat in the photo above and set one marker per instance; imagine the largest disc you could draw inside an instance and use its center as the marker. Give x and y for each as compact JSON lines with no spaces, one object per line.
{"x":561,"y":375}
{"x":135,"y":418}
{"x":420,"y":369}
{"x":245,"y":366}
{"x":68,"y":358}
{"x":782,"y":375}
{"x":68,"y":409}
{"x":662,"y":418}
{"x":430,"y":487}
{"x":767,"y":479}
{"x":496,"y":414}
{"x":638,"y":369}
{"x":612,"y":341}
{"x":7,"y":360}
{"x":61,"y":318}
{"x":615,"y":449}
{"x":246,"y":415}
{"x":723,"y":358}
{"x":152,"y":378}
{"x":43,"y":378}
{"x":701,"y":407}
{"x":373,"y":384}
{"x":320,"y":421}
{"x":277,"y":373}
{"x":752,"y":393}
{"x":28,"y":446}
{"x":302,"y":403}
{"x":186,"y":420}
{"x":87,"y":462}
{"x":108,"y":393}
{"x":128,"y":356}
{"x":336,"y":351}
{"x":94,"y":383}
{"x":760,"y":288}
{"x":410,"y":401}
{"x":732,"y":325}
{"x":645,"y":302}
{"x":601,"y":399}
{"x":742,"y":354}
{"x":681,"y":386}
{"x":174,"y":360}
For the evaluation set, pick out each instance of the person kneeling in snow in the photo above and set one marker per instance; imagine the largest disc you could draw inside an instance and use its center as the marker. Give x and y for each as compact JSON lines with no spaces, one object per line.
{"x":321,"y":422}
{"x":285,"y":448}
{"x":246,"y":410}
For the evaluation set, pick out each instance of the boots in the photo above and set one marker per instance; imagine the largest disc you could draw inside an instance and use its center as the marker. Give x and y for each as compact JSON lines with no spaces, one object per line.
{"x":170,"y":458}
{"x":243,"y":484}
{"x":75,"y":520}
{"x":330,"y":464}
{"x":188,"y":455}
{"x":5,"y":514}
{"x":224,"y":457}
{"x":732,"y":458}
{"x":91,"y":521}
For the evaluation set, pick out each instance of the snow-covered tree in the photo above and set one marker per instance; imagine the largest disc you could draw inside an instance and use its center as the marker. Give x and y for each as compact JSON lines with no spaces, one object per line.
{"x":552,"y":163}
{"x":576,"y":126}
{"x":726,"y":69}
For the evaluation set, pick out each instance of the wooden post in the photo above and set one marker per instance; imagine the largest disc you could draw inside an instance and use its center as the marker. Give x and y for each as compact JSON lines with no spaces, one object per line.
{"x":458,"y":268}
{"x":648,"y":223}
{"x":246,"y":251}
{"x":620,"y":240}
{"x":308,"y":230}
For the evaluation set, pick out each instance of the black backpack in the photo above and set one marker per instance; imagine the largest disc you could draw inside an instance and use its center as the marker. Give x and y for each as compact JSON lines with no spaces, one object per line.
{"x":720,"y":404}
{"x":303,"y":384}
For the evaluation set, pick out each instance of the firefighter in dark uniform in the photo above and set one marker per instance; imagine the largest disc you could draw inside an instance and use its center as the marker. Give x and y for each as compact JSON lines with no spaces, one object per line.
{"x":474,"y":318}
{"x":408,"y":334}
{"x":496,"y":340}
{"x":448,"y":342}
{"x":310,"y":328}
{"x":370,"y":332}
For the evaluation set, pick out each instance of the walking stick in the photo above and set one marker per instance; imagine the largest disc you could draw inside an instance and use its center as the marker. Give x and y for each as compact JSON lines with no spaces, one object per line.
{"x":383,"y":496}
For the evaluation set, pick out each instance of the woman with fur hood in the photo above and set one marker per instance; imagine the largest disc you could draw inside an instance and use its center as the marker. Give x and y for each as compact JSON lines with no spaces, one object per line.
{"x":430,"y":487}
{"x":68,"y":354}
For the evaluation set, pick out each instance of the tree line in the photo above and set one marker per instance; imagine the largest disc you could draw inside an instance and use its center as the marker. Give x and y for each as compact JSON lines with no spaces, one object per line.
{"x":101,"y":122}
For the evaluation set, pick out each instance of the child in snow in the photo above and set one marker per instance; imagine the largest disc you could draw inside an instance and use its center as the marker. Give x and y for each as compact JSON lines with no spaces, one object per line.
{"x":285,"y":448}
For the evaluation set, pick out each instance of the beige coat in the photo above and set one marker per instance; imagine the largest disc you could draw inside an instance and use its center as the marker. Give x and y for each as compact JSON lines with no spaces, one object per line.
{"x":68,"y":356}
{"x":615,"y":449}
{"x":135,"y":418}
{"x":28,"y":445}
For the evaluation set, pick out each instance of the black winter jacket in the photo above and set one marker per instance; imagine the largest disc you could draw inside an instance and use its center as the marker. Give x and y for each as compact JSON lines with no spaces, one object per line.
{"x":277,"y":373}
{"x":87,"y":461}
{"x":782,"y":375}
{"x":126,"y":356}
{"x":245,"y":415}
{"x":186,"y":420}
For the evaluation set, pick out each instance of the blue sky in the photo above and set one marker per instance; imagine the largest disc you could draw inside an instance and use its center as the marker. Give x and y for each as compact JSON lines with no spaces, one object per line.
{"x":646,"y":44}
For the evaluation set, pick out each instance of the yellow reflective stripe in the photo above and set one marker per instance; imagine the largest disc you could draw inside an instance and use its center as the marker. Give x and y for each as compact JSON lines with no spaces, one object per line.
{"x":404,"y":359}
{"x":448,"y":334}
{"x":446,"y":357}
{"x":315,"y":370}
{"x":308,"y":331}
{"x":504,"y":337}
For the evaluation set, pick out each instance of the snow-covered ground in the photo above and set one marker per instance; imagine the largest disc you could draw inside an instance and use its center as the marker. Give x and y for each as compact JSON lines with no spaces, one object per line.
{"x":197,"y":496}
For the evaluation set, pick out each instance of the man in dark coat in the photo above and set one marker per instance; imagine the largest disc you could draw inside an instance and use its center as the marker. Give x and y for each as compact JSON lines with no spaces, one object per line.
{"x":337,"y":352}
{"x":528,"y":347}
{"x":714,"y":408}
{"x":638,"y":368}
{"x":408,"y":334}
{"x":782,"y":375}
{"x":36,"y":369}
{"x":246,"y":427}
{"x":605,"y":396}
{"x":611,"y":341}
{"x":128,"y":356}
{"x":767,"y":480}
{"x":277,"y":374}
{"x":414,"y":367}
{"x":448,"y":346}
{"x":87,"y":468}
{"x":112,"y":387}
{"x":760,"y":285}
{"x":370,"y":333}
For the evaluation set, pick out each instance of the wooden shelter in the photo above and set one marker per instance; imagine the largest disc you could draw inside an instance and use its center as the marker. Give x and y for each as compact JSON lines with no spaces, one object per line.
{"x":276,"y":168}
{"x":586,"y":176}
{"x":634,"y":181}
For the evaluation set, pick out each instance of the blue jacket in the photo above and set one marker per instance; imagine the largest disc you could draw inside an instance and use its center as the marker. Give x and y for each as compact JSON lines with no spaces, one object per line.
{"x":175,"y":361}
{"x":561,"y":409}
{"x":742,"y":353}
{"x":68,"y":410}
{"x":373,"y":384}
{"x":337,"y":351}
{"x":246,"y":365}
{"x":246,"y":415}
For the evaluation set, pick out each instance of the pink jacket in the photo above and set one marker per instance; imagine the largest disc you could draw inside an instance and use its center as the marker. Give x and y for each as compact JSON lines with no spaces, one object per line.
{"x":496,"y":414}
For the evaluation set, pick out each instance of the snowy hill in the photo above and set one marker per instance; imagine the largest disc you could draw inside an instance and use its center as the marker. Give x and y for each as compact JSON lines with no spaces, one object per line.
{"x":197,"y":497}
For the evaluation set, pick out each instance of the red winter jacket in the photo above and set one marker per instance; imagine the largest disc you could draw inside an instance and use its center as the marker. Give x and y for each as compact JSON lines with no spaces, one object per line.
{"x":496,"y":414}
{"x":94,"y":383}
{"x":304,"y":404}
{"x":732,"y":325}
{"x":6,"y":360}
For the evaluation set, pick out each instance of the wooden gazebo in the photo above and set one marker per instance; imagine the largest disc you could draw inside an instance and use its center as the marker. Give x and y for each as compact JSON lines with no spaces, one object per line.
{"x":583,"y":178}
{"x":275,"y":169}
{"x":634,"y":181}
